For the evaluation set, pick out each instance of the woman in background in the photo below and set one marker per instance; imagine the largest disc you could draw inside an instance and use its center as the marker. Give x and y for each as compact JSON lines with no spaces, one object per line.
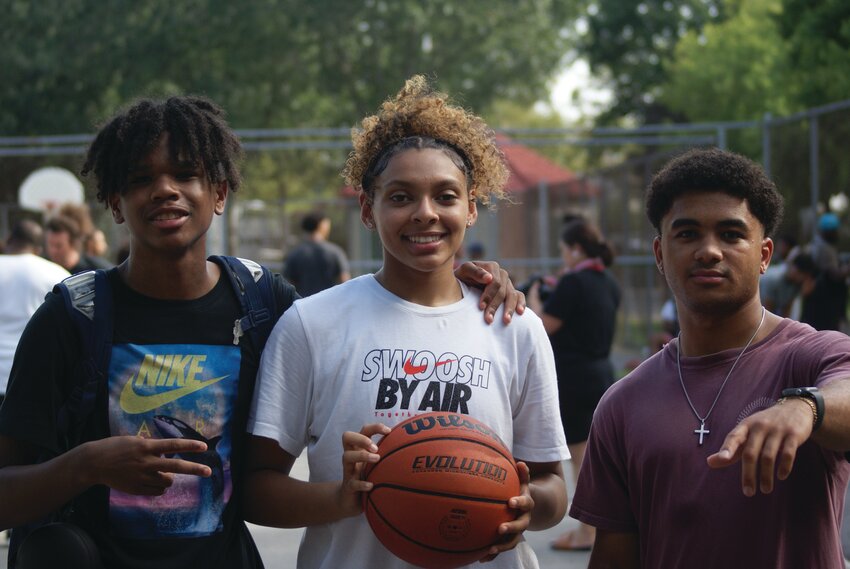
{"x":580,"y":317}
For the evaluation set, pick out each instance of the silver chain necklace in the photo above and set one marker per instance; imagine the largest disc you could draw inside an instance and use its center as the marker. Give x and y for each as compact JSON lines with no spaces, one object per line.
{"x":702,"y":431}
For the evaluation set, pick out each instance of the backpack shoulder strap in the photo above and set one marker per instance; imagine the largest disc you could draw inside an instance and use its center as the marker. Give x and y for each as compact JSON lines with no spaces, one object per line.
{"x":94,"y":324}
{"x":252,"y":284}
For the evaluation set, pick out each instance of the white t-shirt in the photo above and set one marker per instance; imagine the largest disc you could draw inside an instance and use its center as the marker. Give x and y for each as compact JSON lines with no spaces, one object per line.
{"x":348,"y":356}
{"x":24,"y":281}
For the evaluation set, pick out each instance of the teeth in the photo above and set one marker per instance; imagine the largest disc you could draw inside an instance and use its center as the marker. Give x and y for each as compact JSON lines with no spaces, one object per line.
{"x":424,"y":238}
{"x":167,"y":216}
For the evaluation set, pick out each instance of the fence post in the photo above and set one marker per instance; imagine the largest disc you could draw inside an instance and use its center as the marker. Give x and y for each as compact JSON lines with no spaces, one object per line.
{"x":543,"y":221}
{"x":814,"y":169}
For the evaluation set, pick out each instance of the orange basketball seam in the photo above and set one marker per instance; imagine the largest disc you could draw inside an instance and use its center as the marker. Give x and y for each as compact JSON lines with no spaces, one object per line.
{"x":436,"y":493}
{"x":419,"y":543}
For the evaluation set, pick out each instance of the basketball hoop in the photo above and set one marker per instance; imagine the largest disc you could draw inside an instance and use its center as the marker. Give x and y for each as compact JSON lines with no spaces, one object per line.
{"x":48,"y":188}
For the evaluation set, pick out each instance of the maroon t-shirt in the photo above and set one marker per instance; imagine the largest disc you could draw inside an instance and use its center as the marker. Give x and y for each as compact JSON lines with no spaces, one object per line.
{"x":644,"y":471}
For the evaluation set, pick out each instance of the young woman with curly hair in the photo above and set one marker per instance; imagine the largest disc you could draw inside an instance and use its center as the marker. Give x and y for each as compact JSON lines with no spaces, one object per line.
{"x":406,"y":340}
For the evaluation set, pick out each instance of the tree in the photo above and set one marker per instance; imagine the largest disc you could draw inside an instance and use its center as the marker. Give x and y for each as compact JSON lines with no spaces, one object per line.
{"x":818,"y":37}
{"x":270,"y":63}
{"x":626,"y":42}
{"x":732,"y":70}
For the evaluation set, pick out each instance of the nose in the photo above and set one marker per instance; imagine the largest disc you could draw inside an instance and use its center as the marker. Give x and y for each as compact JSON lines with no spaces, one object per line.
{"x":164,"y":188}
{"x":709,"y":251}
{"x":425,"y":212}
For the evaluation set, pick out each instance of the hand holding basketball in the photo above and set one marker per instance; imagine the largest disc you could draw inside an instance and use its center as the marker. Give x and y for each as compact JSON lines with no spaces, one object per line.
{"x":523,"y":504}
{"x":358,"y":450}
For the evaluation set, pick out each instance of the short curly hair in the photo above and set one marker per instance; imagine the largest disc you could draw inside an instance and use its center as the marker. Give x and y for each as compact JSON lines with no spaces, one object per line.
{"x":197,"y":130}
{"x":712,"y":169}
{"x":420,"y":117}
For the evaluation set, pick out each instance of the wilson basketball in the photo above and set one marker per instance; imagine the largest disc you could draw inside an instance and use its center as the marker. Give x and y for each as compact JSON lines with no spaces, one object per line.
{"x":440,"y":490}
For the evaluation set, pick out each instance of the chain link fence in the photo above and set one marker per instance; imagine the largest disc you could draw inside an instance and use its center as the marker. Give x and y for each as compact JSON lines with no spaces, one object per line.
{"x":803,"y":153}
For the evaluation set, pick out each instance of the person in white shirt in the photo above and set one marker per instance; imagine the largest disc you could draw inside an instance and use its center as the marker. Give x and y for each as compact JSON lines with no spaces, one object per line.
{"x":25,"y":278}
{"x":349,"y":362}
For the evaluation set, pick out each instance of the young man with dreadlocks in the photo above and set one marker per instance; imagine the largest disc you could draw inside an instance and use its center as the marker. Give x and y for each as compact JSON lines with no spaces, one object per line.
{"x":153,"y":474}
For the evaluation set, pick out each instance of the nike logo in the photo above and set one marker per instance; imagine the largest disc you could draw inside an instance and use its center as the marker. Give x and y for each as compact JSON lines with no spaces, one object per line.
{"x":411,"y":369}
{"x":131,"y":402}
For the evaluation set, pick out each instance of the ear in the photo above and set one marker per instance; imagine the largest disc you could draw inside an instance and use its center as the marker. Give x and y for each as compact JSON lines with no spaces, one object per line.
{"x":766,"y":254}
{"x":659,"y":257}
{"x":473,"y":212}
{"x":115,"y":206}
{"x":366,"y":212}
{"x":220,"y":197}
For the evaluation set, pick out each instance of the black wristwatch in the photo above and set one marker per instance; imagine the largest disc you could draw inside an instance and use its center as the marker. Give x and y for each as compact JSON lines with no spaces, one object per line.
{"x":812,"y":396}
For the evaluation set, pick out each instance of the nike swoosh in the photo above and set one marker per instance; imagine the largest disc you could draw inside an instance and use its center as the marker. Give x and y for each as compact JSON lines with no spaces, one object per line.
{"x":132,"y":402}
{"x":411,"y":369}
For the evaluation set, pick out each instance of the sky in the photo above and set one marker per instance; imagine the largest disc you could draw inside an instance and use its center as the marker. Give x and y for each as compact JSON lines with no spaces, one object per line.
{"x":576,"y":94}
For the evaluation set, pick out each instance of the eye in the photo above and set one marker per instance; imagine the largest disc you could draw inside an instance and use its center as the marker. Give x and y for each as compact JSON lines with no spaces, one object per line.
{"x":448,"y":197}
{"x":138,"y":179}
{"x":685,"y":234}
{"x":398,"y":197}
{"x":732,"y":235}
{"x":187,"y":175}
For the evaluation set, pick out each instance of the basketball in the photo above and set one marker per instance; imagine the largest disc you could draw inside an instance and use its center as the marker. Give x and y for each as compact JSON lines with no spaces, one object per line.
{"x":440,"y":490}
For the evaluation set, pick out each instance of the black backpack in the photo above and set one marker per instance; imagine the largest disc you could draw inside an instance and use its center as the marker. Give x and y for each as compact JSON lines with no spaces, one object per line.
{"x":88,"y":301}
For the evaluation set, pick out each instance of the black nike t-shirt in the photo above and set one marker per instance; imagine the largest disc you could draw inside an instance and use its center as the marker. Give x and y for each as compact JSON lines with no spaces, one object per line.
{"x":174,"y":373}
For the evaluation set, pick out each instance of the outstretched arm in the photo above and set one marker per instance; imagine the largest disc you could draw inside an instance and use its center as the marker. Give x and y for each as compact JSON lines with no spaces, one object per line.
{"x":131,"y":464}
{"x":498,"y":288}
{"x":767,"y":442}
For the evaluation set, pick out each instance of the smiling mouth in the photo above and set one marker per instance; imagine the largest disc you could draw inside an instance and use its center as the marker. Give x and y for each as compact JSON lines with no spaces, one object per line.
{"x":421,"y":239}
{"x":168,"y":216}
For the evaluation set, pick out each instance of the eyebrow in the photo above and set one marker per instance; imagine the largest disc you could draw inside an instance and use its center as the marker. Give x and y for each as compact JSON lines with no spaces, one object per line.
{"x":726,"y":223}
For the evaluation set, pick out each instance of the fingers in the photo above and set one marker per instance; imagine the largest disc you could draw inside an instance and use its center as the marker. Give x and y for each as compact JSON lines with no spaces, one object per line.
{"x":766,"y":445}
{"x":174,"y":446}
{"x":512,"y":531}
{"x":729,"y":452}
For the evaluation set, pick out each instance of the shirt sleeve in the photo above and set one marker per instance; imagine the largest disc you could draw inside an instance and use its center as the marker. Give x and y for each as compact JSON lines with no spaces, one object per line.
{"x":538,"y":431}
{"x":280,"y":408}
{"x":560,"y":302}
{"x":602,"y":495}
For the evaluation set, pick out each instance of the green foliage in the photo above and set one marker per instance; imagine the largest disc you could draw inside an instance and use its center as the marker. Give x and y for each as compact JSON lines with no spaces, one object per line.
{"x":270,"y":63}
{"x":732,"y":70}
{"x":68,"y":64}
{"x":627,"y":41}
{"x":818,"y":38}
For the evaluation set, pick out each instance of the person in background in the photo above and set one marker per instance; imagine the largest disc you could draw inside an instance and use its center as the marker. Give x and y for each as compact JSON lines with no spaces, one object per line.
{"x":25,"y":278}
{"x":580,"y":317}
{"x":316,"y":263}
{"x":776,"y":289}
{"x":64,"y":243}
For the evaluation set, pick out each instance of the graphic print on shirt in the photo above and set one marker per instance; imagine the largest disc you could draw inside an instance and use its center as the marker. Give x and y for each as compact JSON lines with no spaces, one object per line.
{"x":184,"y":391}
{"x":414,"y":381}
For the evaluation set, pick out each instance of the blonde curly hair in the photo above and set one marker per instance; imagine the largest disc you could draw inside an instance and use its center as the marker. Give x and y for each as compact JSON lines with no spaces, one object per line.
{"x":418,"y":112}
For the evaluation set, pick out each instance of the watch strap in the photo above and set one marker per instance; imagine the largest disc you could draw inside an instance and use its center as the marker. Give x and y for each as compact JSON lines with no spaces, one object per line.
{"x":813,"y":397}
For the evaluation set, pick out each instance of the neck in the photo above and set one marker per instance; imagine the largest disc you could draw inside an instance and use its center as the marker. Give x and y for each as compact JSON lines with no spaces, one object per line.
{"x":435,"y":288}
{"x":702,"y":335}
{"x":182,"y":278}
